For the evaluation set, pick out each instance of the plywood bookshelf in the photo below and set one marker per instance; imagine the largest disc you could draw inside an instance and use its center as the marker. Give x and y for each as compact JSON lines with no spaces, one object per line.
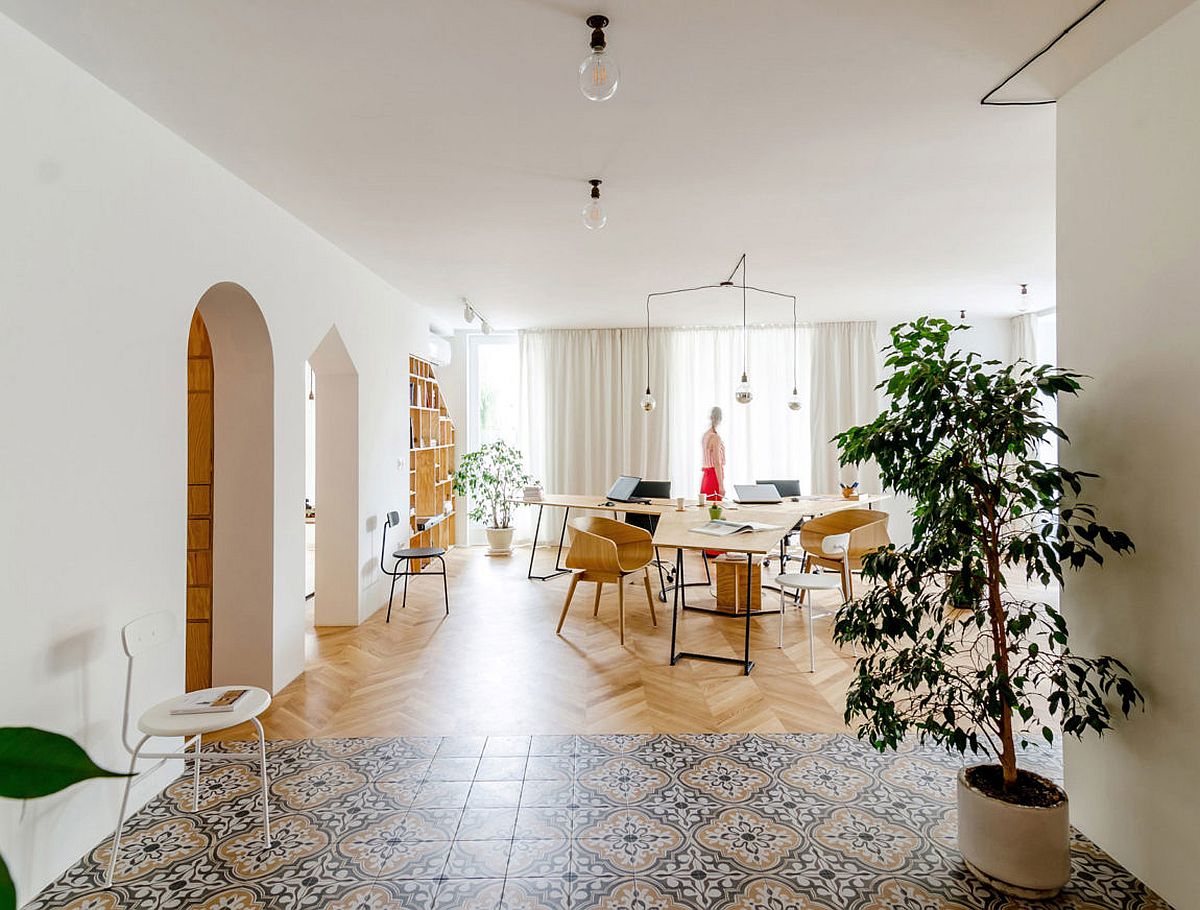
{"x":430,"y":461}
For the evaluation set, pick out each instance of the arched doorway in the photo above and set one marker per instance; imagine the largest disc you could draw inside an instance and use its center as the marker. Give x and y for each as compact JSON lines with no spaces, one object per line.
{"x":231,"y":492}
{"x":336,"y":489}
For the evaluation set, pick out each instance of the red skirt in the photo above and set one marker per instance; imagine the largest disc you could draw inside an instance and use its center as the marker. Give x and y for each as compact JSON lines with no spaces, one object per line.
{"x":710,"y":487}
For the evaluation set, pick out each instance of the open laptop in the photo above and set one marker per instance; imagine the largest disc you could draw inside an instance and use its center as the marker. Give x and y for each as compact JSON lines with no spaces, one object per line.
{"x":755,"y":493}
{"x":622,"y":489}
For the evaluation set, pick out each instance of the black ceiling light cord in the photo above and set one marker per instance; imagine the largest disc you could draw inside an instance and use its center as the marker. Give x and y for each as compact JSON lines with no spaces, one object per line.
{"x":743,"y":394}
{"x":987,"y":99}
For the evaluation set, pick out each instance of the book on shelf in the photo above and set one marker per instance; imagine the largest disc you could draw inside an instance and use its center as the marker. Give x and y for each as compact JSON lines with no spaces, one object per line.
{"x":210,"y":702}
{"x":719,"y":528}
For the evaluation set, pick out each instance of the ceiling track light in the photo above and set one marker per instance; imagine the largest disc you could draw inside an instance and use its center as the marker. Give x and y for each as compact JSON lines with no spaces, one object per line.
{"x":469,"y":314}
{"x":598,"y":75}
{"x":594,"y":216}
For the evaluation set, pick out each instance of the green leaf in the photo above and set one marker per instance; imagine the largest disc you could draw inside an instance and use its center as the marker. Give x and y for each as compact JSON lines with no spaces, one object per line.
{"x":37,"y":762}
{"x":8,"y":891}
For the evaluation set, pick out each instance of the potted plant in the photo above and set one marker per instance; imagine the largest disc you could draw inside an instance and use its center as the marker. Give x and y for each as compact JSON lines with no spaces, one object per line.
{"x":37,"y":763}
{"x":950,"y":649}
{"x":492,"y":476}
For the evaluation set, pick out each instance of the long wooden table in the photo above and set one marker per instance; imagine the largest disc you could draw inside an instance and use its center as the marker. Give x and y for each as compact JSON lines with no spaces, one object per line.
{"x":803,"y":507}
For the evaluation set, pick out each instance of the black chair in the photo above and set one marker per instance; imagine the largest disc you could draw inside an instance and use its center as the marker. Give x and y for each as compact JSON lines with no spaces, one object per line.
{"x":405,"y":557}
{"x":786,"y":489}
{"x":653,"y":489}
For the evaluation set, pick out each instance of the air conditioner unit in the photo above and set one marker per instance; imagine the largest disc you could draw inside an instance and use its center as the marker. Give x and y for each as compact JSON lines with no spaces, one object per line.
{"x":437,"y":349}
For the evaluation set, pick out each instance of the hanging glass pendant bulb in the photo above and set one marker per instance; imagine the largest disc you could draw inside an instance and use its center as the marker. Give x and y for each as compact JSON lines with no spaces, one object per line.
{"x":648,"y":402}
{"x":794,"y":400}
{"x":594,"y":216}
{"x":598,"y":73}
{"x":743,"y":394}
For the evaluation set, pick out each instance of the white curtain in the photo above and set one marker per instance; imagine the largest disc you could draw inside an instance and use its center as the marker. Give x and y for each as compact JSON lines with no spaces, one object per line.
{"x":844,"y":376}
{"x":582,"y":424}
{"x":1023,"y":338}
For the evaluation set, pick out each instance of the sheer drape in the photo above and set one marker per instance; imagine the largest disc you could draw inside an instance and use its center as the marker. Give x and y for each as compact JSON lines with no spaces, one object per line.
{"x":844,"y":375}
{"x":1023,"y":338}
{"x":582,"y":423}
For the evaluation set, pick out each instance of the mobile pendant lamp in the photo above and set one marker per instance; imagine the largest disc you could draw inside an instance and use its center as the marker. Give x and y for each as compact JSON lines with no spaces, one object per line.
{"x":744,"y":392}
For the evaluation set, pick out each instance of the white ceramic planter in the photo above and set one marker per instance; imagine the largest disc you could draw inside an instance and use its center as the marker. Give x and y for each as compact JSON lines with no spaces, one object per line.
{"x":1024,"y":851}
{"x":499,"y":541}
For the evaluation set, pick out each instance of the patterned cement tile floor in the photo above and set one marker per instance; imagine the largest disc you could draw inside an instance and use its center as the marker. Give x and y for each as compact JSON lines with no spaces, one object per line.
{"x":627,"y":822}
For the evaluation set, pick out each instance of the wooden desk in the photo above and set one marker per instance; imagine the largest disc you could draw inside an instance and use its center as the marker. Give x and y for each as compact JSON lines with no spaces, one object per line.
{"x":675,"y":531}
{"x":806,"y":506}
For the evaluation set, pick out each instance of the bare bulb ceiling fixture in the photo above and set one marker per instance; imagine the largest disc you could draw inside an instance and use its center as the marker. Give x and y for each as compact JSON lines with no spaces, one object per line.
{"x":598,"y":73}
{"x":594,"y":216}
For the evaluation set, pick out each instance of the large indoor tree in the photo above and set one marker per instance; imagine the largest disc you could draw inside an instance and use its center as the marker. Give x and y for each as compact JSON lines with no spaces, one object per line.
{"x":953,"y":648}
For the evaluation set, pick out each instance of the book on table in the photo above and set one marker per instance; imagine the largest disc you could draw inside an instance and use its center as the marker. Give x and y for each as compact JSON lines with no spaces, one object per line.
{"x":210,"y":702}
{"x":721,"y":528}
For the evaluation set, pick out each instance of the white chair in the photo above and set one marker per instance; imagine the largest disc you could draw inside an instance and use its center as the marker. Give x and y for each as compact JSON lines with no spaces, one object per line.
{"x":835,"y":546}
{"x":154,"y":631}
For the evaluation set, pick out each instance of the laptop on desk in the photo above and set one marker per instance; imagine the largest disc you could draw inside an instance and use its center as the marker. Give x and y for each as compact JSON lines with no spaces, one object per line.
{"x":756,"y":494}
{"x":622,"y":490}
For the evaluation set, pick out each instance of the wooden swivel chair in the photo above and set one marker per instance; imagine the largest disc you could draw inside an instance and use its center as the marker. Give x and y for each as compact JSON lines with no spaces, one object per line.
{"x":604,"y":551}
{"x":868,"y":532}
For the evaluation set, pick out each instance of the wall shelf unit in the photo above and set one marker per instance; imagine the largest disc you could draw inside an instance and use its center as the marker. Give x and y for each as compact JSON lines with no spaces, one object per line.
{"x":431,"y":461}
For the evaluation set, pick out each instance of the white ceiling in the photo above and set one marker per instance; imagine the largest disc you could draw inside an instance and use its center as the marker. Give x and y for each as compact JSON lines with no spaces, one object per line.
{"x":445,"y":144}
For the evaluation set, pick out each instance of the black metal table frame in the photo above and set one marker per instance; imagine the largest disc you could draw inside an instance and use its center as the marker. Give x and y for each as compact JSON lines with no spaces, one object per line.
{"x":559,"y":569}
{"x":680,"y":594}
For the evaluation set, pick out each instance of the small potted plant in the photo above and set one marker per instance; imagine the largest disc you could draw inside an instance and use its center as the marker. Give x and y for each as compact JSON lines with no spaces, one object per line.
{"x":492,"y":476}
{"x":950,"y":650}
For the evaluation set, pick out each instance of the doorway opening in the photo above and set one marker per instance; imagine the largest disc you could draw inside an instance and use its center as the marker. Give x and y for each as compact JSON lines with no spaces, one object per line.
{"x":230,"y":493}
{"x":333,"y":467}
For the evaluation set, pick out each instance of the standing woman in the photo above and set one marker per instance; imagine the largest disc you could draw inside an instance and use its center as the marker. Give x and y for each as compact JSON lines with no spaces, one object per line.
{"x":712,"y":471}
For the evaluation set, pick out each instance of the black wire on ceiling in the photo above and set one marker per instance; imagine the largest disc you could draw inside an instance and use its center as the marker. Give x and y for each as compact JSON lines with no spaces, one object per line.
{"x":987,"y":99}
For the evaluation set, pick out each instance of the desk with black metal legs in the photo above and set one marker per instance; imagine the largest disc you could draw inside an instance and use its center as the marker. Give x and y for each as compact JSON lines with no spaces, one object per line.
{"x":569,"y":501}
{"x":676,"y":530}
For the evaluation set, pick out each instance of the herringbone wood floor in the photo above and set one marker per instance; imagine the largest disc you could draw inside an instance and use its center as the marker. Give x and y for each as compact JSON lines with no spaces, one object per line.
{"x":495,"y":666}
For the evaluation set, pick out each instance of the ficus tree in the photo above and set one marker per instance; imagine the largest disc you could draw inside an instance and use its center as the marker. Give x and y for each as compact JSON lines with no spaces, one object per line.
{"x":949,"y":650}
{"x":491,"y":476}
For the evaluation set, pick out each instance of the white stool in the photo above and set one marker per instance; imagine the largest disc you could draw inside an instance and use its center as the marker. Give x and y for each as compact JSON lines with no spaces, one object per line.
{"x":143,"y":635}
{"x":800,"y":582}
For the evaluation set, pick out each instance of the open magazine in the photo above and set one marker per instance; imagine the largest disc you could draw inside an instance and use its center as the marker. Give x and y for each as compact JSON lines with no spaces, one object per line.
{"x":721,"y":528}
{"x":209,"y":702}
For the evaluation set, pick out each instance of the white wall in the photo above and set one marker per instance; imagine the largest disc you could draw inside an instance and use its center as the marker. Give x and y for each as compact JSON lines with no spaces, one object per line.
{"x":111,"y":229}
{"x":1129,"y":315}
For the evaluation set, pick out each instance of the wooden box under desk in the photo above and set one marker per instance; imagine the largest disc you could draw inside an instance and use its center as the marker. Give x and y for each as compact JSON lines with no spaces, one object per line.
{"x":731,"y":583}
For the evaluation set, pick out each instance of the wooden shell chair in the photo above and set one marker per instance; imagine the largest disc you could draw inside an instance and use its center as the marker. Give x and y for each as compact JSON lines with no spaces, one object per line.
{"x":605,"y":551}
{"x":868,"y":532}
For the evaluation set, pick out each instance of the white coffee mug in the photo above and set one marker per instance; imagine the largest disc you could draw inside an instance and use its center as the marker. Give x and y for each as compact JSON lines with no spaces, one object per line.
{"x":678,"y":503}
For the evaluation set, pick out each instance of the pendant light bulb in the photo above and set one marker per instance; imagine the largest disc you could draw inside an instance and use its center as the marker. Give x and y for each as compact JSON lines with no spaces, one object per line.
{"x":468,"y":313}
{"x":598,"y":75}
{"x":794,"y":400}
{"x":743,"y":394}
{"x":648,"y":402}
{"x":594,"y":216}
